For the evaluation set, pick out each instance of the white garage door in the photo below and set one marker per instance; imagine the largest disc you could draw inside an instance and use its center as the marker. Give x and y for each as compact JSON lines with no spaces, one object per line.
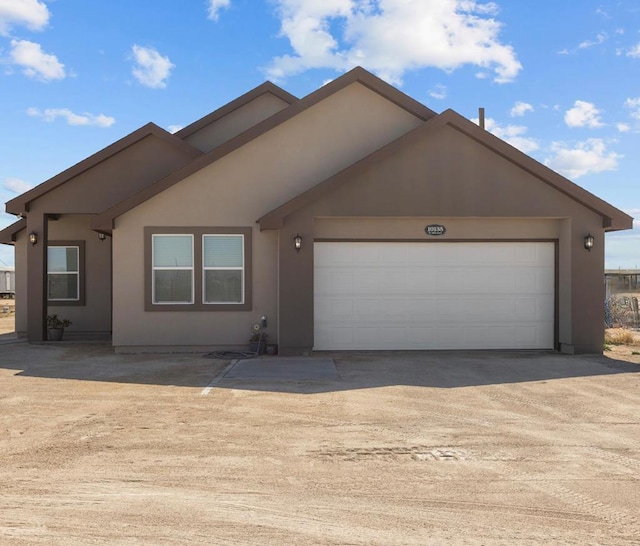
{"x":400,"y":296}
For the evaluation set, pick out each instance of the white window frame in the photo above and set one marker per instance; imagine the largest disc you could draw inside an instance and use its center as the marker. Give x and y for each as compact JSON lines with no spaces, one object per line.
{"x":174,"y":268}
{"x":211,"y":268}
{"x":76,"y":273}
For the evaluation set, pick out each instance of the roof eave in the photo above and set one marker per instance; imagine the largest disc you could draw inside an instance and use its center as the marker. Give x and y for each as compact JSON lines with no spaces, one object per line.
{"x":266,"y":87}
{"x":613,"y":219}
{"x":9,"y":234}
{"x":20,"y":204}
{"x":358,"y":74}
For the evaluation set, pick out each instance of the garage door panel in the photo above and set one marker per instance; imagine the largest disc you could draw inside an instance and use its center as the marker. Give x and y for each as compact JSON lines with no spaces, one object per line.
{"x":422,"y":309}
{"x":391,"y":310}
{"x":367,"y":308}
{"x":434,"y":296}
{"x":421,"y":280}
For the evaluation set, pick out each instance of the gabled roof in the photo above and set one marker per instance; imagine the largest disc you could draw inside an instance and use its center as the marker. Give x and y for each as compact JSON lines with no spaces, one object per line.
{"x":104,"y":221}
{"x":266,"y":87}
{"x":8,"y":234}
{"x":20,"y":204}
{"x":613,"y":218}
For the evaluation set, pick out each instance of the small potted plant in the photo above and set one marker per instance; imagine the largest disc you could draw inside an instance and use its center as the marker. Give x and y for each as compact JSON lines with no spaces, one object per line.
{"x":56,"y":326}
{"x":258,"y":342}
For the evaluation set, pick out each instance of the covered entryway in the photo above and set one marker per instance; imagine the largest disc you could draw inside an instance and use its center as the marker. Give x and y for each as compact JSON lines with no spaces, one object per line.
{"x":434,"y":295}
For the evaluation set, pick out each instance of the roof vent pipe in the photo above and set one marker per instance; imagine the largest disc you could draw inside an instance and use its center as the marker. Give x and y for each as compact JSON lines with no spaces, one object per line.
{"x":481,"y":117}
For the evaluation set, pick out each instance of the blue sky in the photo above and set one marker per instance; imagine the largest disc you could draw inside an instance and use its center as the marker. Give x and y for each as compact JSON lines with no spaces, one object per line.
{"x":560,"y":80}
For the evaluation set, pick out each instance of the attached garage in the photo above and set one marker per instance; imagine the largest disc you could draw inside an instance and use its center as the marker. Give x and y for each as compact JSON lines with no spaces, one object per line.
{"x":434,"y":295}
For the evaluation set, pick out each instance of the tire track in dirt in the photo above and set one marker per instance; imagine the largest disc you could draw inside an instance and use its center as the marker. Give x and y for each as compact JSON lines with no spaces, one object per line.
{"x":582,"y":503}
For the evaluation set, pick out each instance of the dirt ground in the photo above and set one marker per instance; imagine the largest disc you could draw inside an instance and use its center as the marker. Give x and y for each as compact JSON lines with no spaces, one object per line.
{"x":405,"y":448}
{"x":7,"y":316}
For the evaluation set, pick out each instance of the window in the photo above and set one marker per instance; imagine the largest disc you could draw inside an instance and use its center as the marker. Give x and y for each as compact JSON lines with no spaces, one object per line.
{"x":65,"y":272}
{"x":223,"y":264}
{"x":198,"y":269}
{"x":172,"y":269}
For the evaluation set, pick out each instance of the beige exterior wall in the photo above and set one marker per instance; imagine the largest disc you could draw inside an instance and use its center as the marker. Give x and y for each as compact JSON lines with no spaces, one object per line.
{"x":105,"y":184}
{"x":457,"y":228}
{"x":236,"y":191}
{"x":93,"y":318}
{"x":21,"y":282}
{"x":236,"y":122}
{"x":447,"y":176}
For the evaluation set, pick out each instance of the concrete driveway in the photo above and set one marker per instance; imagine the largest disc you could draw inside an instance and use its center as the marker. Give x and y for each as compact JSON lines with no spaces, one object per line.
{"x":389,"y":448}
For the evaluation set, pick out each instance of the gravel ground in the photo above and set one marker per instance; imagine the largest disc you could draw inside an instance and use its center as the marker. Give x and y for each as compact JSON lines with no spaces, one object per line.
{"x":405,"y":448}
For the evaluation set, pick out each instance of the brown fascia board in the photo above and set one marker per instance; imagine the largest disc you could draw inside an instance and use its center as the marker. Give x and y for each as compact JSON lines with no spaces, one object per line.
{"x":8,"y":234}
{"x":613,"y":218}
{"x":20,"y":204}
{"x":104,"y":221}
{"x":266,"y":87}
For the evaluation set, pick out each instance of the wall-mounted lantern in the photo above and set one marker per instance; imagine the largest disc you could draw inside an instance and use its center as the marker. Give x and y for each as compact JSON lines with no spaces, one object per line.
{"x":588,"y":242}
{"x":33,"y":237}
{"x":297,"y":243}
{"x":102,"y":236}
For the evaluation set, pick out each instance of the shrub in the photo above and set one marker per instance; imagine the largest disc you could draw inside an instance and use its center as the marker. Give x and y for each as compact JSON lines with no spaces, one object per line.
{"x":619,"y":336}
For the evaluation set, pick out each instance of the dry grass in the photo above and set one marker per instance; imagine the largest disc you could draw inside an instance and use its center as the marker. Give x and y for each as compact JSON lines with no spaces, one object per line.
{"x":621,"y":336}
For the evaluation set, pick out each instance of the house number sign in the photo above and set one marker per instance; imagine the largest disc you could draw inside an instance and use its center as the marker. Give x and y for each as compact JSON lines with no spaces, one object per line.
{"x":435,"y":229}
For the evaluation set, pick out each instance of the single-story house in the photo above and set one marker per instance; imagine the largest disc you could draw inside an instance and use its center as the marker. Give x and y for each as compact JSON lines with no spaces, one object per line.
{"x":355,"y":218}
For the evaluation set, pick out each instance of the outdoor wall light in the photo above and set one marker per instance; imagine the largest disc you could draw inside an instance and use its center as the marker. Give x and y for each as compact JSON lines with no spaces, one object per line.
{"x":297,"y":243}
{"x":588,"y":242}
{"x":102,"y":236}
{"x":33,"y":237}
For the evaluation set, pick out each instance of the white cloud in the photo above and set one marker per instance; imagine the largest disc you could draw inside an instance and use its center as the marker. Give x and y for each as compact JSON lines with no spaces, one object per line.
{"x":520,"y":109}
{"x":634,"y":51}
{"x":634,"y":106}
{"x":215,"y":6}
{"x":16,"y":185}
{"x":32,"y":14}
{"x":636,"y":217}
{"x":51,"y":114}
{"x":583,"y":114}
{"x":513,"y":134}
{"x":35,"y":62}
{"x":391,"y":37}
{"x":600,"y":38}
{"x":623,"y":127}
{"x":151,"y":68}
{"x":438,"y":92}
{"x":587,"y":157}
{"x":174,"y":128}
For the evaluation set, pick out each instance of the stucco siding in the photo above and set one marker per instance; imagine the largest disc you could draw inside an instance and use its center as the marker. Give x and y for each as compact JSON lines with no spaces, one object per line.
{"x":132,"y":327}
{"x":94,"y":317}
{"x":21,"y":282}
{"x":456,"y":228}
{"x":114,"y":179}
{"x":235,"y":191}
{"x":236,"y":122}
{"x":481,"y":195}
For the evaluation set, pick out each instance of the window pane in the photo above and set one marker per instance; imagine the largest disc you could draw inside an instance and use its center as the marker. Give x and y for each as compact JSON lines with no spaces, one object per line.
{"x":172,"y":251}
{"x":63,"y":286}
{"x":223,"y":286}
{"x":223,"y":251}
{"x":172,"y":286}
{"x":62,"y":259}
